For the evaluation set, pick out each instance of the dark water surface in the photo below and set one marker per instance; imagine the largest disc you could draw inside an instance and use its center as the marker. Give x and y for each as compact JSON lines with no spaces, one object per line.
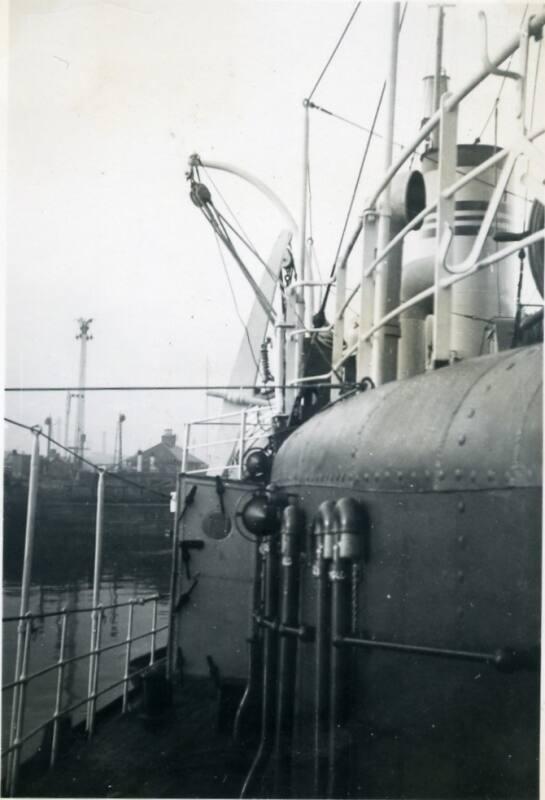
{"x":136,"y":561}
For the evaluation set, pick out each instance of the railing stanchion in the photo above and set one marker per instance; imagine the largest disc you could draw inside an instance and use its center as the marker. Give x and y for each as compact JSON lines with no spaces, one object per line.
{"x":58,"y":698}
{"x":153,"y":632}
{"x":174,"y":580}
{"x":93,"y":688}
{"x":95,"y":614}
{"x":442,"y":317}
{"x":367,"y":296}
{"x":25,"y":592}
{"x":20,"y":710}
{"x":187,"y":435}
{"x":242,"y":445}
{"x":128,"y":658}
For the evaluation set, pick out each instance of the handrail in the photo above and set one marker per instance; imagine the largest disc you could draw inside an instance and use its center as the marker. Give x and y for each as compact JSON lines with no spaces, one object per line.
{"x":536,"y":24}
{"x":140,"y":600}
{"x":22,"y":679}
{"x":25,"y":680}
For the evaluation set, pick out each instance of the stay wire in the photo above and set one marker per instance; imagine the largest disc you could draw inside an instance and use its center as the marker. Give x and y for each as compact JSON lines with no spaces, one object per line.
{"x":357,"y":125}
{"x":121,"y":478}
{"x":228,"y":207}
{"x":358,"y":178}
{"x":247,"y":244}
{"x":237,"y":310}
{"x":332,"y":56}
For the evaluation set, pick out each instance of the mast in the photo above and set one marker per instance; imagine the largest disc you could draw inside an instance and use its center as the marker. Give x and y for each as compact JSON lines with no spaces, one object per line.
{"x":388,"y":274}
{"x":84,"y":336}
{"x":438,"y":65}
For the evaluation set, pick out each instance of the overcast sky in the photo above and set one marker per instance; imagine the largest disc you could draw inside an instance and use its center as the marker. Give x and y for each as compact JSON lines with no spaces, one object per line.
{"x":107,"y":99}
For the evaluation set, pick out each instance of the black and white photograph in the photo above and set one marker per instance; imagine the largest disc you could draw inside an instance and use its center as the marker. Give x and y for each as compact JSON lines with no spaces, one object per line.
{"x":273,"y":413}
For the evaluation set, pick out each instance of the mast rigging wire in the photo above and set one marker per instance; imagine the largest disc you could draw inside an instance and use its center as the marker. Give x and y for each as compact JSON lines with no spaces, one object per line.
{"x":332,"y":56}
{"x":360,"y":172}
{"x":330,"y":113}
{"x":237,"y":310}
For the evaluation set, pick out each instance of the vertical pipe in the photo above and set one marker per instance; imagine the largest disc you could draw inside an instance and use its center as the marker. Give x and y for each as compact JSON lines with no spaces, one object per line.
{"x":442,"y":317}
{"x":321,"y":666}
{"x":304,"y":197}
{"x":280,"y":391}
{"x":58,"y":697}
{"x":270,"y":669}
{"x":153,"y":633}
{"x":340,"y":617}
{"x":292,"y":527}
{"x":438,"y":66}
{"x":25,"y":582}
{"x":174,"y":560}
{"x":367,"y":295}
{"x":95,"y":614}
{"x":128,"y":658}
{"x":384,"y":349}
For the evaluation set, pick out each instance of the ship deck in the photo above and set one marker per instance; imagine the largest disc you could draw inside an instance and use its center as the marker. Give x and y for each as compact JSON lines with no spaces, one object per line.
{"x":185,"y":751}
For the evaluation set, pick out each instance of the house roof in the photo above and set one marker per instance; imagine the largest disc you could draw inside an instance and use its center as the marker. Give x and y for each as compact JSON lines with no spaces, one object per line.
{"x":175,"y":453}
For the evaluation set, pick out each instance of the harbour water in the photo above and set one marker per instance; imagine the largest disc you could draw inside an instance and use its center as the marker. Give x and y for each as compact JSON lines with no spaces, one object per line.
{"x":136,"y":562}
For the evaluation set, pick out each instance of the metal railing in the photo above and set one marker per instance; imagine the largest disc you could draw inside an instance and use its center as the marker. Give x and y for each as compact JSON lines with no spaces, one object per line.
{"x":378,"y":244}
{"x":19,"y":686}
{"x":249,"y":427}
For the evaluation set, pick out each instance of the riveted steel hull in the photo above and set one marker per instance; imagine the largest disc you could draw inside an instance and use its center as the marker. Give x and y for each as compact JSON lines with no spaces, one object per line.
{"x":448,"y":468}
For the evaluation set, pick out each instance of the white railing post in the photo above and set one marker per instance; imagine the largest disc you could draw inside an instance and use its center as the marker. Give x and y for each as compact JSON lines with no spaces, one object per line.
{"x":153,"y":633}
{"x":128,"y":658}
{"x":445,"y":225}
{"x":20,"y":709}
{"x":242,"y":445}
{"x":367,"y":295}
{"x":187,"y":435}
{"x":93,"y":686}
{"x":338,"y":328}
{"x":280,"y":390}
{"x":174,"y":580}
{"x":96,"y":613}
{"x":12,"y":767}
{"x":58,"y":697}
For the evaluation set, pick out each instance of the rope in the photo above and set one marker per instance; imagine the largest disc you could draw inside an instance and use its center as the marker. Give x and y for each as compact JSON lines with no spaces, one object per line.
{"x":237,"y":310}
{"x":228,"y":207}
{"x":332,"y":56}
{"x":34,"y":429}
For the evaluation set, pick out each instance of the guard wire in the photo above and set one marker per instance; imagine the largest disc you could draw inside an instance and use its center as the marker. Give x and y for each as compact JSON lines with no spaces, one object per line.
{"x":122,"y":479}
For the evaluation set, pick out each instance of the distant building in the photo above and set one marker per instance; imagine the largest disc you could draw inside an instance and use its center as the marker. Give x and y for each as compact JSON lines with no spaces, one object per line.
{"x":164,"y":458}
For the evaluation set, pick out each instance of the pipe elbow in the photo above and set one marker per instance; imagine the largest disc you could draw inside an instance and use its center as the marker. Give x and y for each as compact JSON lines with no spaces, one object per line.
{"x":351,"y":527}
{"x":324,"y":527}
